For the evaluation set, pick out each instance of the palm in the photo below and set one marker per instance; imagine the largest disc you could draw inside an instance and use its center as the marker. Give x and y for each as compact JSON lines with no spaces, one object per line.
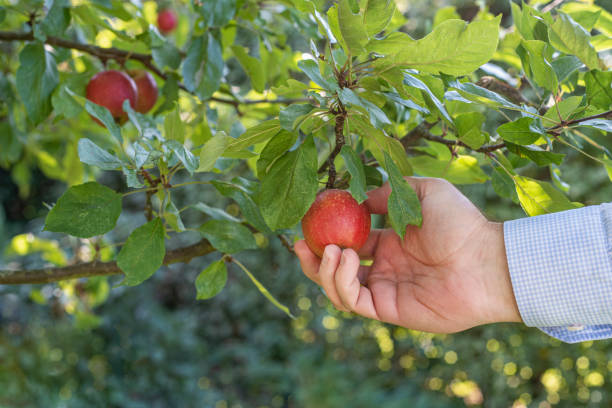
{"x":424,"y":281}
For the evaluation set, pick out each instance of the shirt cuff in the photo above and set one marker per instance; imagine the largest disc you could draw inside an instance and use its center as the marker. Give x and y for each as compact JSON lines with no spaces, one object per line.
{"x":561,"y":270}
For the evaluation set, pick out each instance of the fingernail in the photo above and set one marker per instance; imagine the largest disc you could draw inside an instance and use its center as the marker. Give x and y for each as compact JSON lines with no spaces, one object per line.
{"x":342,"y":257}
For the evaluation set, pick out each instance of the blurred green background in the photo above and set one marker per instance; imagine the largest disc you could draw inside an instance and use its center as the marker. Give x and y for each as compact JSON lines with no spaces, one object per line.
{"x":87,"y":344}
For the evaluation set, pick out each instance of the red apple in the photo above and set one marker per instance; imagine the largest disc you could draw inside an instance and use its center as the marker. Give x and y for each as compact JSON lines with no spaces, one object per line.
{"x":337,"y":218}
{"x":166,"y":21}
{"x":110,"y":89}
{"x":146,"y":89}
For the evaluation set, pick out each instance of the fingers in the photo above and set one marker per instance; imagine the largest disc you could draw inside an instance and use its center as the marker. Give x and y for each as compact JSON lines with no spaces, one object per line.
{"x":369,"y":248}
{"x":377,"y":198}
{"x":308,"y":261}
{"x":352,"y":294}
{"x":327,"y":271}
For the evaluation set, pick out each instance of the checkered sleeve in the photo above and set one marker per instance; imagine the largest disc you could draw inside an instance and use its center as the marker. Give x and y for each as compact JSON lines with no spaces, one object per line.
{"x":561,"y":271}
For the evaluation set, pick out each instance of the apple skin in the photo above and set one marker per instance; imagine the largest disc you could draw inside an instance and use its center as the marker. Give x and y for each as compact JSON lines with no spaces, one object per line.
{"x":109,"y":89}
{"x":146,"y":88}
{"x":167,"y":21}
{"x":337,"y":218}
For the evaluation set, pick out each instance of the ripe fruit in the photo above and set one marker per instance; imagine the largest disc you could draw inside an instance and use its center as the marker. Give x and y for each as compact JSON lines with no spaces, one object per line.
{"x":166,"y":21}
{"x":335,"y":217}
{"x":146,"y":89}
{"x":110,"y":89}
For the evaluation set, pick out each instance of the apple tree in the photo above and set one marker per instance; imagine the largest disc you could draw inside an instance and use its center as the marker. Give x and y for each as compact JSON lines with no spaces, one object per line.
{"x":267,"y":103}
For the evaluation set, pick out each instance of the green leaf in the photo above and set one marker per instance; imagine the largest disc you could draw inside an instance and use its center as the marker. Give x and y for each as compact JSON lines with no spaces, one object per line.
{"x":539,"y":197}
{"x":170,"y":93}
{"x":58,"y":17}
{"x":468,"y":129}
{"x":250,"y":211}
{"x":601,"y":124}
{"x":462,"y":170}
{"x":599,"y":88}
{"x":481,"y":95}
{"x":352,"y":28}
{"x":541,"y":69}
{"x":64,"y":103}
{"x":216,"y":13}
{"x":188,"y":159}
{"x":289,"y":188}
{"x":453,"y":47}
{"x":143,"y":252}
{"x":174,"y":127}
{"x":403,"y":204}
{"x":85,"y":210}
{"x":274,"y":149}
{"x":214,"y":213}
{"x":173,"y":217}
{"x":569,"y":37}
{"x":564,"y":108}
{"x":145,"y":125}
{"x":503,"y":184}
{"x":203,"y":66}
{"x":565,"y":66}
{"x":252,"y":66}
{"x":91,"y":153}
{"x":166,"y":55}
{"x":289,"y":115}
{"x":212,"y":150}
{"x":523,"y":131}
{"x":256,"y":134}
{"x":376,"y":15}
{"x":536,"y":154}
{"x":376,"y":115}
{"x":36,"y":78}
{"x":211,"y":280}
{"x":227,"y":236}
{"x":311,"y":69}
{"x":357,"y":185}
{"x":104,"y":116}
{"x":262,"y":289}
{"x":417,"y":83}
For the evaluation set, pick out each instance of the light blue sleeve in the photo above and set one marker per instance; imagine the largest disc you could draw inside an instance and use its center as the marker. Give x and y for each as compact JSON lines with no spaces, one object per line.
{"x":561,"y":271}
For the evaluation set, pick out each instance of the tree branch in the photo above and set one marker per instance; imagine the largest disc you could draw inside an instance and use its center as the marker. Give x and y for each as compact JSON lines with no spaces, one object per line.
{"x":122,"y":56}
{"x":564,"y":123}
{"x":421,"y":131}
{"x":91,"y":269}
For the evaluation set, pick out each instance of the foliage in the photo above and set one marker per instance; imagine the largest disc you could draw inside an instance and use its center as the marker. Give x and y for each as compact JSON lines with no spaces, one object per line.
{"x":263,"y":103}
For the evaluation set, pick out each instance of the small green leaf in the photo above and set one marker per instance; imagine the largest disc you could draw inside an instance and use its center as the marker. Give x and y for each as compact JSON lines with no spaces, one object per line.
{"x":482,"y":96}
{"x":252,"y":66}
{"x":523,"y":131}
{"x":143,"y":252}
{"x":539,"y":197}
{"x":503,"y":184}
{"x":378,"y":118}
{"x":601,"y":124}
{"x":85,"y":210}
{"x":469,"y":129}
{"x":227,"y":236}
{"x":273,"y":150}
{"x":145,"y":125}
{"x":104,"y":116}
{"x":91,"y":153}
{"x":212,"y":150}
{"x":377,"y":14}
{"x":541,"y":69}
{"x":357,"y":185}
{"x":173,"y":217}
{"x":311,"y":69}
{"x":256,"y":134}
{"x":36,"y":79}
{"x":536,"y":154}
{"x":211,"y":280}
{"x":213,"y":212}
{"x":417,"y":83}
{"x":403,"y":204}
{"x":174,"y":127}
{"x":216,"y":13}
{"x":203,"y":66}
{"x":289,"y":188}
{"x":289,"y":115}
{"x":250,"y":211}
{"x":460,"y":170}
{"x":188,"y":159}
{"x":569,"y":37}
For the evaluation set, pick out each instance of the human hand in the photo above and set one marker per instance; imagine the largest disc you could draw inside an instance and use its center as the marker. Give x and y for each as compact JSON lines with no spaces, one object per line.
{"x":446,"y":276}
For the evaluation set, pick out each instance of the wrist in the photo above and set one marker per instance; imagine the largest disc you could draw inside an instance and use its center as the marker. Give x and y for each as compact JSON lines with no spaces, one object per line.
{"x":501,"y":304}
